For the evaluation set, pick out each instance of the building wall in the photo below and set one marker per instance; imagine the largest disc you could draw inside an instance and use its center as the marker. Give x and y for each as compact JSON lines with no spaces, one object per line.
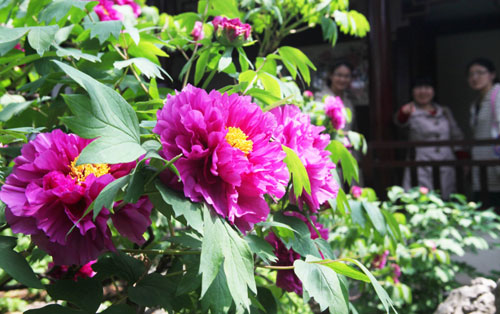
{"x":453,"y":52}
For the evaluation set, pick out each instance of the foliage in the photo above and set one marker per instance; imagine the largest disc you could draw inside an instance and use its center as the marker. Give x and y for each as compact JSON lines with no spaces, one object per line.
{"x":103,"y":72}
{"x":416,"y":251}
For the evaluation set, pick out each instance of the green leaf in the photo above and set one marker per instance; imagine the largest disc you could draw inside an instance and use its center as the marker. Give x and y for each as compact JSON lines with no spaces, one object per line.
{"x":262,"y":95}
{"x":223,"y":246}
{"x":321,"y":283}
{"x":357,"y":214}
{"x":325,"y":248}
{"x":228,"y":8}
{"x":9,"y":37}
{"x":182,"y":206}
{"x":107,"y":196}
{"x":153,"y":290}
{"x":297,"y":59}
{"x":41,"y":37}
{"x":15,"y":264}
{"x":225,"y":60}
{"x":54,"y":309}
{"x":58,"y":9}
{"x":262,"y":248}
{"x":329,"y":28}
{"x":102,"y":30}
{"x":349,"y":164}
{"x":201,"y":65}
{"x":148,"y":68}
{"x":297,"y":171}
{"x":107,"y":116}
{"x":75,"y":53}
{"x":14,"y":109}
{"x":346,"y":270}
{"x":271,"y":84}
{"x":376,"y":217}
{"x":85,"y":293}
{"x":381,"y":293}
{"x":217,"y":297}
{"x":301,"y":241}
{"x":63,"y":34}
{"x":120,"y":265}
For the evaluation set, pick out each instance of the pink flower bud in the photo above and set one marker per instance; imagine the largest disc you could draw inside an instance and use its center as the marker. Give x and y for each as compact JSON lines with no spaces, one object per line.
{"x":231,"y":32}
{"x":197,"y":32}
{"x":356,"y":191}
{"x":308,"y":94}
{"x":424,"y":190}
{"x":334,"y":108}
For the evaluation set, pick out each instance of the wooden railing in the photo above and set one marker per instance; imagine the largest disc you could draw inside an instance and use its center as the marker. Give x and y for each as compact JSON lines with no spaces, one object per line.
{"x":384,"y":164}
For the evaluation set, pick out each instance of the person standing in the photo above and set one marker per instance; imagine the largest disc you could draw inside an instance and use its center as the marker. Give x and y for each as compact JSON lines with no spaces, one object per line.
{"x":429,"y":121}
{"x":485,"y":117}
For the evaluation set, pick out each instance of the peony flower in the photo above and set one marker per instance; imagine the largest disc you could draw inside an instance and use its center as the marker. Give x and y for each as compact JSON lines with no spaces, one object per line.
{"x":197,"y":32}
{"x":296,"y":132}
{"x":334,"y":108}
{"x":71,"y":272}
{"x":231,"y":32}
{"x":228,"y":159}
{"x":286,"y":279}
{"x":423,"y":190}
{"x":47,"y":194}
{"x":308,"y":94}
{"x":380,"y":260}
{"x":356,"y":191}
{"x":105,"y":11}
{"x":136,"y":8}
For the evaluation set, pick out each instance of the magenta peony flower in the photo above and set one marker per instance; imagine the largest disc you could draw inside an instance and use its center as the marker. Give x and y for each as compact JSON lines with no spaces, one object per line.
{"x":397,"y":273}
{"x":334,"y":108}
{"x":197,"y":32}
{"x":229,"y":160}
{"x":308,"y":94}
{"x":380,"y":260}
{"x":105,"y":11}
{"x":136,"y":8}
{"x":296,"y":132}
{"x":356,"y":191}
{"x":231,"y":31}
{"x":46,"y":195}
{"x":131,"y":219}
{"x":286,"y":279}
{"x":71,"y":272}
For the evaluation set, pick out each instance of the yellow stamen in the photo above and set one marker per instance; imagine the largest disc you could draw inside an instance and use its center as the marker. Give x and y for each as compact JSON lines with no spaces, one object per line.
{"x":236,"y":138}
{"x":81,"y":172}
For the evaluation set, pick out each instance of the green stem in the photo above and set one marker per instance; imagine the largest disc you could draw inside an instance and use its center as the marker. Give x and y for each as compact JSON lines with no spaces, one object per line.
{"x":171,"y":161}
{"x":209,"y":79}
{"x":190,"y":61}
{"x":161,"y":252}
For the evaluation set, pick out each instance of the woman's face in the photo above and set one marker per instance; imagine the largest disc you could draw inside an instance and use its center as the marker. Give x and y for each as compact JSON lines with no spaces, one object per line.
{"x":480,"y":78}
{"x":423,"y":95}
{"x":341,"y":78}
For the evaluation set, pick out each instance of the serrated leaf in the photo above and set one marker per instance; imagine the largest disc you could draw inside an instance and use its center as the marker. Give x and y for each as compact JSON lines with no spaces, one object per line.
{"x":15,"y":264}
{"x":84,"y":293}
{"x":40,"y":37}
{"x":349,"y":164}
{"x":271,"y":84}
{"x":182,"y":206}
{"x":297,"y":171}
{"x":58,"y":9}
{"x":323,"y":284}
{"x":297,"y":59}
{"x":148,"y":68}
{"x":301,"y":242}
{"x":262,"y":248}
{"x":63,"y":34}
{"x":217,"y":297}
{"x":75,"y":53}
{"x":102,"y":30}
{"x":13,"y":109}
{"x":107,"y":116}
{"x":329,"y":28}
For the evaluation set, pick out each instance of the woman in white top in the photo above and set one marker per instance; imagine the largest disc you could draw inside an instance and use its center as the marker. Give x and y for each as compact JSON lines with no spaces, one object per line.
{"x":485,"y":115}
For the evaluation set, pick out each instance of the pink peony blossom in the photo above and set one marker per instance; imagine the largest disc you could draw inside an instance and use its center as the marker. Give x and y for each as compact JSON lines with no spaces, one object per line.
{"x":296,"y":132}
{"x":308,"y":94}
{"x":380,"y":260}
{"x":71,"y":272}
{"x":334,"y":108}
{"x":356,"y":191}
{"x":228,"y":159}
{"x":231,"y":31}
{"x":423,"y":190}
{"x":286,"y":279}
{"x":105,"y":11}
{"x":197,"y":32}
{"x":136,"y":8}
{"x":47,"y":193}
